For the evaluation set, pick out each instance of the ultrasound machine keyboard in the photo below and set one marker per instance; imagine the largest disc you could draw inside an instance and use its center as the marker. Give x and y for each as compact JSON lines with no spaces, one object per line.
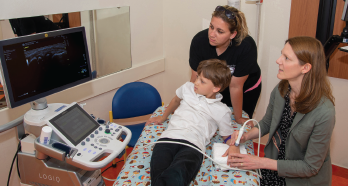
{"x":102,"y":139}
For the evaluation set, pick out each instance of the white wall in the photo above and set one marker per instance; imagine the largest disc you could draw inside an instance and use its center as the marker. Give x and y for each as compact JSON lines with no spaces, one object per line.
{"x":112,"y":25}
{"x":275,"y":16}
{"x":6,"y":30}
{"x":339,"y":141}
{"x":1,"y":37}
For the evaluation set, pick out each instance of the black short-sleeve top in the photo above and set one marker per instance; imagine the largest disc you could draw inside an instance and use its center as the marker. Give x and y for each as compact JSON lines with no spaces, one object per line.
{"x":242,"y":59}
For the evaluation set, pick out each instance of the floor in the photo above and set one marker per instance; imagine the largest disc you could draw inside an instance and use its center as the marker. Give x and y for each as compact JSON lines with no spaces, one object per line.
{"x":339,"y":174}
{"x":112,"y":173}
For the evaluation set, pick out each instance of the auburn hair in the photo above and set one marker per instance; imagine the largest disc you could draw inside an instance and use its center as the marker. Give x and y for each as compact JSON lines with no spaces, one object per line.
{"x":315,"y":83}
{"x":237,"y":24}
{"x":217,"y":71}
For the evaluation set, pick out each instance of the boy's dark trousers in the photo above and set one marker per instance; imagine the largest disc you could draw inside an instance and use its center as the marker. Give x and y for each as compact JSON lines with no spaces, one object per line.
{"x":174,"y":164}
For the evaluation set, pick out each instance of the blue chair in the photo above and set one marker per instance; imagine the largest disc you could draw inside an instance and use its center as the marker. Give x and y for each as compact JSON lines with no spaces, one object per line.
{"x":133,"y":100}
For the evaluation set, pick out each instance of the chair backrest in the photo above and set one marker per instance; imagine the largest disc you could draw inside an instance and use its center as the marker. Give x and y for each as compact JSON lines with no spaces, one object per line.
{"x":135,"y":99}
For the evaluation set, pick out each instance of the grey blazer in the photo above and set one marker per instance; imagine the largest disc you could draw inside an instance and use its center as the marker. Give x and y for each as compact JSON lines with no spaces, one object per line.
{"x":307,"y":149}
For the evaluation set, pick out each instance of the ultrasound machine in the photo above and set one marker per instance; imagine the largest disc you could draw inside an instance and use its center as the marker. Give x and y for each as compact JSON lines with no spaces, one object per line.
{"x":35,"y":66}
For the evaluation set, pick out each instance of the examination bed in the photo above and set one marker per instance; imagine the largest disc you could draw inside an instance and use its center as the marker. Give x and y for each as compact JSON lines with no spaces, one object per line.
{"x":136,"y":170}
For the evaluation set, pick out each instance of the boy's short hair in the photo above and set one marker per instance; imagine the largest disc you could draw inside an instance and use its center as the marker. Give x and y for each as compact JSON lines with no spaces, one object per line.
{"x":217,"y":71}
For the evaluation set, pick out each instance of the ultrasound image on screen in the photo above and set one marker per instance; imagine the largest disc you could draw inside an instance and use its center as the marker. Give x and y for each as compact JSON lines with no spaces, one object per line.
{"x":75,"y":124}
{"x":44,"y":64}
{"x":56,"y":52}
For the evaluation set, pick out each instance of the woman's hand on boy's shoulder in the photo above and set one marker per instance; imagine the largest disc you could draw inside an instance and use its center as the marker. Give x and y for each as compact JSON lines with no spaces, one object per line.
{"x":155,"y":120}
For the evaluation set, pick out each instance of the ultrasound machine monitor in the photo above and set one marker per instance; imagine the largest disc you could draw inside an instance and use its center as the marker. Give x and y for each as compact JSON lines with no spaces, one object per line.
{"x":35,"y":66}
{"x":39,"y":65}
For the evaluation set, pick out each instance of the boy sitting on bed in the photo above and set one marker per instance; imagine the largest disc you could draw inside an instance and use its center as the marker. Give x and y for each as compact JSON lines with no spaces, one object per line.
{"x":198,"y":113}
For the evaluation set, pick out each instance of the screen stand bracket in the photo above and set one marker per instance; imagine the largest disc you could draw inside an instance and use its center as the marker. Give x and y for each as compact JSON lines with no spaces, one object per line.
{"x":34,"y":119}
{"x":39,"y":104}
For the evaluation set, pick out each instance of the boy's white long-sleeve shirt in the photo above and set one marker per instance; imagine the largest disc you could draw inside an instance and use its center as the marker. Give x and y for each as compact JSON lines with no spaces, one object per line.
{"x":197,"y":118}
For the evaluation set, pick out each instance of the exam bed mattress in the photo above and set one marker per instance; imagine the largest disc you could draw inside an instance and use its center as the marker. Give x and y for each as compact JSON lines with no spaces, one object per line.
{"x":136,"y":170}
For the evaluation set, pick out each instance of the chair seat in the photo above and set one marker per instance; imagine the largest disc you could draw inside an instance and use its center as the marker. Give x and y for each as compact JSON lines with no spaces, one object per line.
{"x":136,"y":130}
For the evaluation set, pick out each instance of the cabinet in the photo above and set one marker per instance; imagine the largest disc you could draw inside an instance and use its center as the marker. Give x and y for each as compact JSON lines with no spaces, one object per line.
{"x":303,"y":22}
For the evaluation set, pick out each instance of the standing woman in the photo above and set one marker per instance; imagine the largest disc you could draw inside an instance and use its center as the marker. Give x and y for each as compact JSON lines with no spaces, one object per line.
{"x":227,"y":39}
{"x":300,"y":118}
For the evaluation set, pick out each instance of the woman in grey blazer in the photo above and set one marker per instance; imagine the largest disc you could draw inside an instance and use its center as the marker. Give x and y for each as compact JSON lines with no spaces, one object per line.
{"x":299,"y":120}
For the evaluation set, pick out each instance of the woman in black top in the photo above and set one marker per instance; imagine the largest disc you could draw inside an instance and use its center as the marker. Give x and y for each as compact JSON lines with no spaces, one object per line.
{"x":227,"y":39}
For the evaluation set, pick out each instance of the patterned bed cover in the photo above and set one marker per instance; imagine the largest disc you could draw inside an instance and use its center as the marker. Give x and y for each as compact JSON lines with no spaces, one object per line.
{"x":136,"y":170}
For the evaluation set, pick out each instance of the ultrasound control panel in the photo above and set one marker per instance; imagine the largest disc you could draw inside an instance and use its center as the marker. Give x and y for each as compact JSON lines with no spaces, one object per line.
{"x":89,"y":137}
{"x":104,"y":138}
